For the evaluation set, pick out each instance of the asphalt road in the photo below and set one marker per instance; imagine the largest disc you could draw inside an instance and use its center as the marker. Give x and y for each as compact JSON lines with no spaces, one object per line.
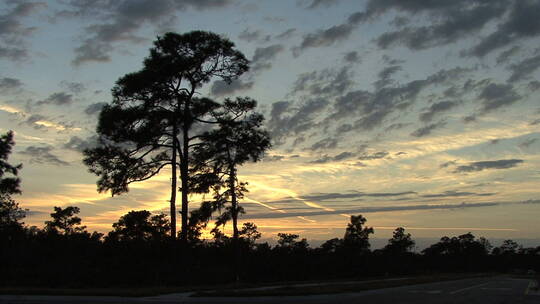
{"x":493,"y":290}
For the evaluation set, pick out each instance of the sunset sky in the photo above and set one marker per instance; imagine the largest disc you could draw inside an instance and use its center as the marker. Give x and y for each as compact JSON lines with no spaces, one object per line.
{"x":421,"y":114}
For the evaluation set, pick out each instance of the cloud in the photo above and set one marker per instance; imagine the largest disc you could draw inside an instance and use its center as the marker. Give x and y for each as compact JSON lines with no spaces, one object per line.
{"x":43,"y":155}
{"x":10,"y":85}
{"x":78,"y":144}
{"x":94,"y":108}
{"x":505,"y":56}
{"x":522,"y":22}
{"x":426,"y":130}
{"x":495,"y":96}
{"x":351,"y":195}
{"x":455,"y":194}
{"x":264,"y":55}
{"x":364,"y":210}
{"x":329,"y":82}
{"x":13,"y":33}
{"x":272,"y":158}
{"x":339,"y":157}
{"x":329,"y":36}
{"x":322,"y":3}
{"x":222,"y":88}
{"x":484,"y":165}
{"x":352,"y":57}
{"x":524,"y":68}
{"x":324,"y":144}
{"x":73,"y":87}
{"x":250,"y":36}
{"x":122,"y":20}
{"x":437,"y":108}
{"x":286,"y":34}
{"x":376,"y":155}
{"x":58,"y":99}
{"x":527,"y":143}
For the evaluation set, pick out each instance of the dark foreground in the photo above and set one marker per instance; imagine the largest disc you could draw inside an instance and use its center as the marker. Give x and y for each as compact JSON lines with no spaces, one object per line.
{"x":488,"y":290}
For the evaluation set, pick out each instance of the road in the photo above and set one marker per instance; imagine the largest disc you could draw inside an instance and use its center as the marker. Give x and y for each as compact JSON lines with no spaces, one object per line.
{"x":489,"y":290}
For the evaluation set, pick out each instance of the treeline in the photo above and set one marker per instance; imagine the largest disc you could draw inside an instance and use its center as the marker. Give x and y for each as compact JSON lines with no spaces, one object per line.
{"x":139,"y":252}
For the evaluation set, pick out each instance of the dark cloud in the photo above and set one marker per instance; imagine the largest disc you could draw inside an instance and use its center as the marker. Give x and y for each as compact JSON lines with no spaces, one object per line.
{"x":455,"y":194}
{"x":372,"y":210}
{"x":43,"y":155}
{"x":282,"y":123}
{"x":254,"y":35}
{"x":330,"y":35}
{"x":448,"y":164}
{"x":339,"y":157}
{"x":437,"y":108}
{"x":527,"y":143}
{"x":73,"y":87}
{"x":322,"y":3}
{"x":352,"y":57}
{"x":272,"y":158}
{"x":286,"y":34}
{"x":505,"y":56}
{"x":263,"y":57}
{"x":374,"y":107}
{"x":534,"y":85}
{"x":94,"y":108}
{"x":78,"y":144}
{"x":524,"y":68}
{"x":324,"y":144}
{"x":13,"y":33}
{"x":122,"y":20}
{"x":351,"y":195}
{"x":495,"y":96}
{"x":426,"y":130}
{"x":385,"y":76}
{"x":449,"y":22}
{"x":484,"y":165}
{"x":522,"y":22}
{"x":376,"y":155}
{"x":327,"y":82}
{"x":222,"y":88}
{"x":58,"y":99}
{"x":10,"y":85}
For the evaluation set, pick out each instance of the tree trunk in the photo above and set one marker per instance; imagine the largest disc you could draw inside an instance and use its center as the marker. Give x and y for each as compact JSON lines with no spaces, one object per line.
{"x":234,"y":203}
{"x":173,"y":186}
{"x":185,"y":187}
{"x":234,"y":215}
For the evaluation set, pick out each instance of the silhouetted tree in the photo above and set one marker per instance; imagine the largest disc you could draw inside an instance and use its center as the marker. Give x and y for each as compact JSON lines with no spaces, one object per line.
{"x":149,"y":124}
{"x":239,"y":138}
{"x":332,"y":245}
{"x":400,"y":242}
{"x":356,"y":236}
{"x":139,"y":226}
{"x":8,"y":184}
{"x":288,"y":242}
{"x":508,"y":247}
{"x":64,"y":221}
{"x":249,"y":233}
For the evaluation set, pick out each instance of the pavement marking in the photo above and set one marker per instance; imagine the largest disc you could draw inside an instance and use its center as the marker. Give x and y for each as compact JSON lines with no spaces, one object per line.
{"x":467,"y":288}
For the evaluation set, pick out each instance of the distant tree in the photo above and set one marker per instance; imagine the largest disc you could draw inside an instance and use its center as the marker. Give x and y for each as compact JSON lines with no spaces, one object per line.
{"x":462,"y":245}
{"x":507,"y":247}
{"x":400,"y":242}
{"x":154,"y":113}
{"x":332,"y":245}
{"x":288,"y":242}
{"x":139,"y":226}
{"x":356,"y":235}
{"x":64,"y":221}
{"x":249,"y":233}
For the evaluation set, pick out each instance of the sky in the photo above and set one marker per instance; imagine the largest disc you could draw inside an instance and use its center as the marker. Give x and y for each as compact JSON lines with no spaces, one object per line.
{"x":419,"y":114}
